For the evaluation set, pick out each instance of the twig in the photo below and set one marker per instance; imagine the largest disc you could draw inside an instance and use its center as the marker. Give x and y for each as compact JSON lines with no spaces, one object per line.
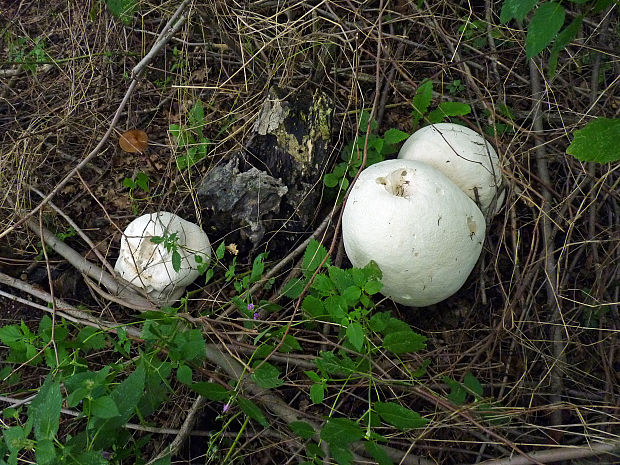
{"x":170,"y":29}
{"x":77,"y":229}
{"x":130,"y":299}
{"x":560,"y":453}
{"x":551,"y":280}
{"x":184,"y":431}
{"x":64,"y":309}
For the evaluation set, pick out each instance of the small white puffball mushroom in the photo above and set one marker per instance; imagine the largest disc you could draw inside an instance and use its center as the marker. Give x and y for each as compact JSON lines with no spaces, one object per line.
{"x":462,"y":155}
{"x":149,"y":265}
{"x":418,"y":226}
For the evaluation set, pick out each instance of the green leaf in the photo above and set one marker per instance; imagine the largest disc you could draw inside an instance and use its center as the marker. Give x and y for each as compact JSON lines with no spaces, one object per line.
{"x":564,"y":38}
{"x":323,"y":284}
{"x":267,"y":376}
{"x":331,"y":180}
{"x":91,"y":339}
{"x":220,"y":251}
{"x":317,"y":393}
{"x":93,"y":457}
{"x":45,"y":409}
{"x":104,"y":407}
{"x":313,"y":307}
{"x":336,"y":306}
{"x":252,"y":411}
{"x":313,"y":376}
{"x":176,"y":261}
{"x":372,"y":287}
{"x":314,"y":450}
{"x":293,"y":288}
{"x":163,"y":461}
{"x":400,"y":342}
{"x":598,"y":141}
{"x":394,"y":136}
{"x":378,"y":322}
{"x":123,"y":9}
{"x":185,"y":374}
{"x":341,"y":454}
{"x":352,"y":294}
{"x":127,"y":395}
{"x":129,"y":183}
{"x":142,"y":181}
{"x":447,"y":109}
{"x":341,"y":278}
{"x":313,"y":256}
{"x":329,"y":363}
{"x":355,"y":335}
{"x":211,"y":391}
{"x":341,"y":431}
{"x":516,"y":9}
{"x":545,"y":24}
{"x":378,"y":453}
{"x":458,"y":394}
{"x":302,"y":429}
{"x":289,"y":344}
{"x":45,"y":452}
{"x":10,"y":334}
{"x":472,"y":383}
{"x":258,"y":266}
{"x":399,"y":416}
{"x":421,"y":101}
{"x":364,"y":121}
{"x":189,"y":344}
{"x":197,"y":116}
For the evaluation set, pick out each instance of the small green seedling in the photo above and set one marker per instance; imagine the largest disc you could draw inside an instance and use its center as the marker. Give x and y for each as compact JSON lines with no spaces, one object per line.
{"x":191,"y":138}
{"x":139,"y":181}
{"x":352,"y":154}
{"x":29,"y":54}
{"x":445,"y":110}
{"x":456,"y":87}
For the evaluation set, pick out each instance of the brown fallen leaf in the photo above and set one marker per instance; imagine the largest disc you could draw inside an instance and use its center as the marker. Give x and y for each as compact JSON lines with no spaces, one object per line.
{"x":134,"y":141}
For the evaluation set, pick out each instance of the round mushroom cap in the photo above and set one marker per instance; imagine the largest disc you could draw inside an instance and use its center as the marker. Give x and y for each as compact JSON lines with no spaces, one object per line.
{"x":423,"y":232}
{"x":149,"y":265}
{"x":464,"y":156}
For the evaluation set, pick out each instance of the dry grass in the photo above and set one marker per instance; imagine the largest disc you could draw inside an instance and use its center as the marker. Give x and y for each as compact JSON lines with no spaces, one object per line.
{"x":515,"y":327}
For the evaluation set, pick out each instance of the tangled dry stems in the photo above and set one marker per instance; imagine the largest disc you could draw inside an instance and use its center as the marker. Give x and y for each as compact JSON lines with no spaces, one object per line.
{"x":518,"y":325}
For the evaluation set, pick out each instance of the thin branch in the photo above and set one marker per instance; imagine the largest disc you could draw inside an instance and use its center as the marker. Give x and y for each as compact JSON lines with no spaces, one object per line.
{"x":561,"y":453}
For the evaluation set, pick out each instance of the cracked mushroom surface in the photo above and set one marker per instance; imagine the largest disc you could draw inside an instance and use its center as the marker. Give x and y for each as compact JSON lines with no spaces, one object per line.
{"x":149,"y":265}
{"x":420,"y":228}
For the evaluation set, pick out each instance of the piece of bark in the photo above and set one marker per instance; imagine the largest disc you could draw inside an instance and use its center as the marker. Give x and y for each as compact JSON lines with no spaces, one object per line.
{"x":291,"y":142}
{"x":240,"y":199}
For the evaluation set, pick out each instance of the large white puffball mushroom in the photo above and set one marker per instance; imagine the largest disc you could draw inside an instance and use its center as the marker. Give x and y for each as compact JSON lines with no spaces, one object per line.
{"x":149,"y":265}
{"x":462,"y":155}
{"x":418,"y":226}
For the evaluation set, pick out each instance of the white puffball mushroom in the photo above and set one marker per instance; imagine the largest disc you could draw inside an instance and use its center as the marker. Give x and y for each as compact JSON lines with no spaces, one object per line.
{"x":149,"y":265}
{"x":464,"y":156}
{"x":418,"y":226}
